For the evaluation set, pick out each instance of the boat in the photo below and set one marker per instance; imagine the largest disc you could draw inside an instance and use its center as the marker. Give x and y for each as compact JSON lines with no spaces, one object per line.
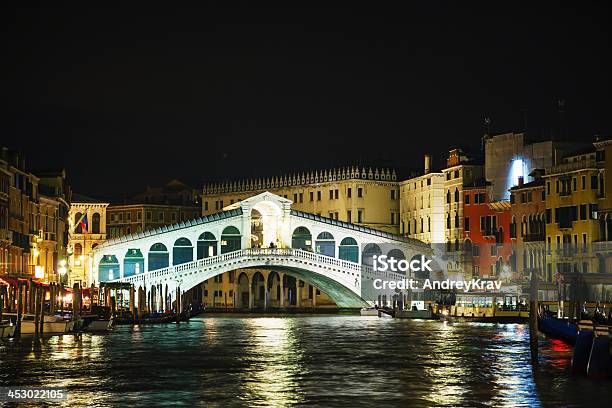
{"x":51,"y":325}
{"x":7,"y":329}
{"x":485,"y":308}
{"x":415,"y":314}
{"x":561,"y":329}
{"x":100,"y":325}
{"x":369,"y":311}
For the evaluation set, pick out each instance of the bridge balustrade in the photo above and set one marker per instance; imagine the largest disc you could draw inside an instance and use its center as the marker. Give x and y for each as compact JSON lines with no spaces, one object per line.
{"x":247,"y":254}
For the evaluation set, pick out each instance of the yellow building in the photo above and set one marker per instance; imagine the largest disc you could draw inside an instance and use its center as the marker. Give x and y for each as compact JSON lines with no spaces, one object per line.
{"x":52,"y":237}
{"x":574,"y":188}
{"x":361,"y":196}
{"x":422,"y":210}
{"x":82,"y":241}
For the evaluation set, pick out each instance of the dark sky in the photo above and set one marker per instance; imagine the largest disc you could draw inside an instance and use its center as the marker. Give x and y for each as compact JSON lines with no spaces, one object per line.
{"x":135,"y":95}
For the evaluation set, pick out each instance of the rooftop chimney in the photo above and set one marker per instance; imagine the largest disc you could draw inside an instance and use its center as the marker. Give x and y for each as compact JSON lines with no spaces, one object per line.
{"x":427,"y":163}
{"x":521,"y":181}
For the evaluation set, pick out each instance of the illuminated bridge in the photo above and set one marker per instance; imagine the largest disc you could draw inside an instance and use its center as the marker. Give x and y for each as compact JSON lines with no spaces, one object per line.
{"x":259,"y":232}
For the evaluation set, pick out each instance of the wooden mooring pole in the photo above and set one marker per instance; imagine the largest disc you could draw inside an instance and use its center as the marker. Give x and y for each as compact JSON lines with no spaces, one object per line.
{"x":533,"y":318}
{"x":19,"y":308}
{"x":178,"y":304}
{"x":41,"y":307}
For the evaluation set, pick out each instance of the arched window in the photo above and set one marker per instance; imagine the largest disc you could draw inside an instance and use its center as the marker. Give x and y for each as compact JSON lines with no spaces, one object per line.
{"x":349,"y":250}
{"x":456,"y":195}
{"x":325,"y":244}
{"x":467,"y":247}
{"x":230,"y":240}
{"x":456,"y":220}
{"x":182,"y":252}
{"x":78,"y":229}
{"x":207,"y":245}
{"x":301,"y":239}
{"x":448,"y":196}
{"x":158,"y":257}
{"x":95,"y":223}
{"x":500,"y":236}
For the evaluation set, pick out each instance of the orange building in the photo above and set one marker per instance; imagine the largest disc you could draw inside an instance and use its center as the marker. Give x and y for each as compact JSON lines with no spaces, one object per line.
{"x":486,"y":229}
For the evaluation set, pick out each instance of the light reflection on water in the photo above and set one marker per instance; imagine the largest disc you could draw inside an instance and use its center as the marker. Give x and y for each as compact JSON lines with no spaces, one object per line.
{"x":299,"y":360}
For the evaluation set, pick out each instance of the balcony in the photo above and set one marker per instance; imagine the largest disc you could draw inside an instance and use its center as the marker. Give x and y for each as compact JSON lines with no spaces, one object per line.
{"x":48,"y":236}
{"x":572,"y":166}
{"x":534,"y":237}
{"x":602,"y":246}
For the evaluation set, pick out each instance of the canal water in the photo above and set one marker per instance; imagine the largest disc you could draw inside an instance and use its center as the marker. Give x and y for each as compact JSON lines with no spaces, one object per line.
{"x":302,"y":360}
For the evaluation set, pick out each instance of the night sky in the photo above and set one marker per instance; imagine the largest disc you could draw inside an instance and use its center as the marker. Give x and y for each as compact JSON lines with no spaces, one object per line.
{"x":129,"y":96}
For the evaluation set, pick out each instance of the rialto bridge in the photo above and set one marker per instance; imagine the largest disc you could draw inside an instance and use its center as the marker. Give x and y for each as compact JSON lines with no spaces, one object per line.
{"x":263,"y":233}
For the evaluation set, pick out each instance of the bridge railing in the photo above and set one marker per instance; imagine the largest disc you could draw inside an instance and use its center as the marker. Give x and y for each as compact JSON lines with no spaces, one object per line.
{"x":247,"y":254}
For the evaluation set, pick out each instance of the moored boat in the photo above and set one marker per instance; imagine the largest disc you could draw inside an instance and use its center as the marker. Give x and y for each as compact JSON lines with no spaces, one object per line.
{"x":7,"y":329}
{"x":100,"y":325}
{"x":51,"y":324}
{"x":369,"y":311}
{"x":561,"y":329}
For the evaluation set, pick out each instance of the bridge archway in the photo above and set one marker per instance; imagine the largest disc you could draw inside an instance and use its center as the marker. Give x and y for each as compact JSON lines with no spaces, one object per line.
{"x":133,"y":263}
{"x":182,"y":252}
{"x":349,"y":250}
{"x":158,"y":256}
{"x":257,"y":237}
{"x":301,"y":239}
{"x":273,"y":288}
{"x":230,"y":239}
{"x":265,"y":223}
{"x":397,"y":254}
{"x":207,"y":245}
{"x":369,"y":251}
{"x":243,"y":293}
{"x":325,"y":244}
{"x":258,"y":290}
{"x":108,"y":268}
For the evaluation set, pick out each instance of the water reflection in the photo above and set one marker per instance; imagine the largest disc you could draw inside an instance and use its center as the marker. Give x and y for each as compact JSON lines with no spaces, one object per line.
{"x":275,"y":361}
{"x":300,"y":360}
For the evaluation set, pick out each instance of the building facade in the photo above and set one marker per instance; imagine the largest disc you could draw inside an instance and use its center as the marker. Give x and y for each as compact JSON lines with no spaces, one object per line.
{"x":52,"y":239}
{"x":509,"y":156}
{"x":422,"y":206}
{"x":33,"y":217}
{"x":486,"y":227}
{"x":84,"y":237}
{"x":130,"y":218}
{"x":528,"y":233}
{"x":369,"y":197}
{"x":574,"y":188}
{"x":174,"y":192}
